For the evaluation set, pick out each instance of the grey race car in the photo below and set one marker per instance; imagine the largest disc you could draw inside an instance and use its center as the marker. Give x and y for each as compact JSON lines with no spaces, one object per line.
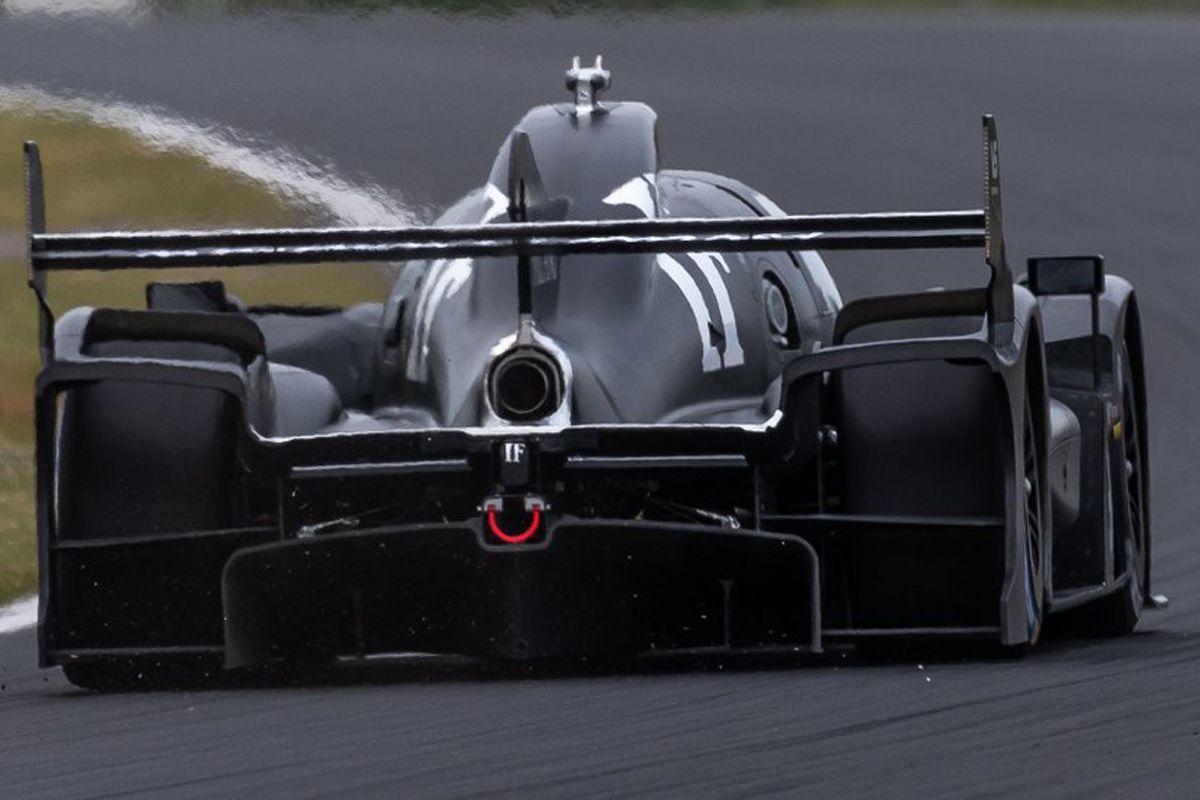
{"x":608,"y":408}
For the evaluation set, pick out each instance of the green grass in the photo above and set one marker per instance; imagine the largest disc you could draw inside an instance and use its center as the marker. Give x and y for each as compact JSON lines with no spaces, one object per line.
{"x":18,"y":549}
{"x":98,"y":178}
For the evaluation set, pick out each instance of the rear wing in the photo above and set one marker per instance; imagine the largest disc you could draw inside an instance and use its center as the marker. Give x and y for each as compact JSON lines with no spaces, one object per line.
{"x":976,"y":228}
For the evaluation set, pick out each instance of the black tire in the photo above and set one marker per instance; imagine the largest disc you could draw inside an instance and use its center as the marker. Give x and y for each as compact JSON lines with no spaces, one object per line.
{"x":1034,"y":500}
{"x":141,"y":460}
{"x":1033,"y":437}
{"x":144,"y":458}
{"x":1118,"y":614}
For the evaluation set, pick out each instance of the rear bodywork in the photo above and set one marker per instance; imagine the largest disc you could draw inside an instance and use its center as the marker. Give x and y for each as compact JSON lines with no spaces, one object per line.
{"x":829,"y":474}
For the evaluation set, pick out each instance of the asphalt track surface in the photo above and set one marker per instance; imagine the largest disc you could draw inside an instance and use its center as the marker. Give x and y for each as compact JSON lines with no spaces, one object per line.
{"x":1099,"y":128}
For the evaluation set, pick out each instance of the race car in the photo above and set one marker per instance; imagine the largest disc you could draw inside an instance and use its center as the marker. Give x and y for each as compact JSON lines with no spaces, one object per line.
{"x":608,"y":409}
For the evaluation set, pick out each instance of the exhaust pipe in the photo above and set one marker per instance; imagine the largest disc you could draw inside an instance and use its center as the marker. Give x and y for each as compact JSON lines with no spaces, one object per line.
{"x":525,"y":385}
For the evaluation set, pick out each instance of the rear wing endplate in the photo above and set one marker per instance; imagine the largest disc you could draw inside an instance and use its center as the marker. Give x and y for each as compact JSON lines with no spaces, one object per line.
{"x":975,"y":228}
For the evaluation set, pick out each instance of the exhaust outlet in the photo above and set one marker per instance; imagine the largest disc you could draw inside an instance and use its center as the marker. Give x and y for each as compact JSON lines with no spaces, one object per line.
{"x":525,"y":385}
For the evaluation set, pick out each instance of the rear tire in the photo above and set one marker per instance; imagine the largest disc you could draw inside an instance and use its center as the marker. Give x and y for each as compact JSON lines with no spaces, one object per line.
{"x":145,"y":458}
{"x":1036,"y":518}
{"x":139,"y":460}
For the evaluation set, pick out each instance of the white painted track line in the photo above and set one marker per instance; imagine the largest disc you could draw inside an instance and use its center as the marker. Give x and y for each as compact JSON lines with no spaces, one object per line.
{"x":19,"y":615}
{"x":280,"y":169}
